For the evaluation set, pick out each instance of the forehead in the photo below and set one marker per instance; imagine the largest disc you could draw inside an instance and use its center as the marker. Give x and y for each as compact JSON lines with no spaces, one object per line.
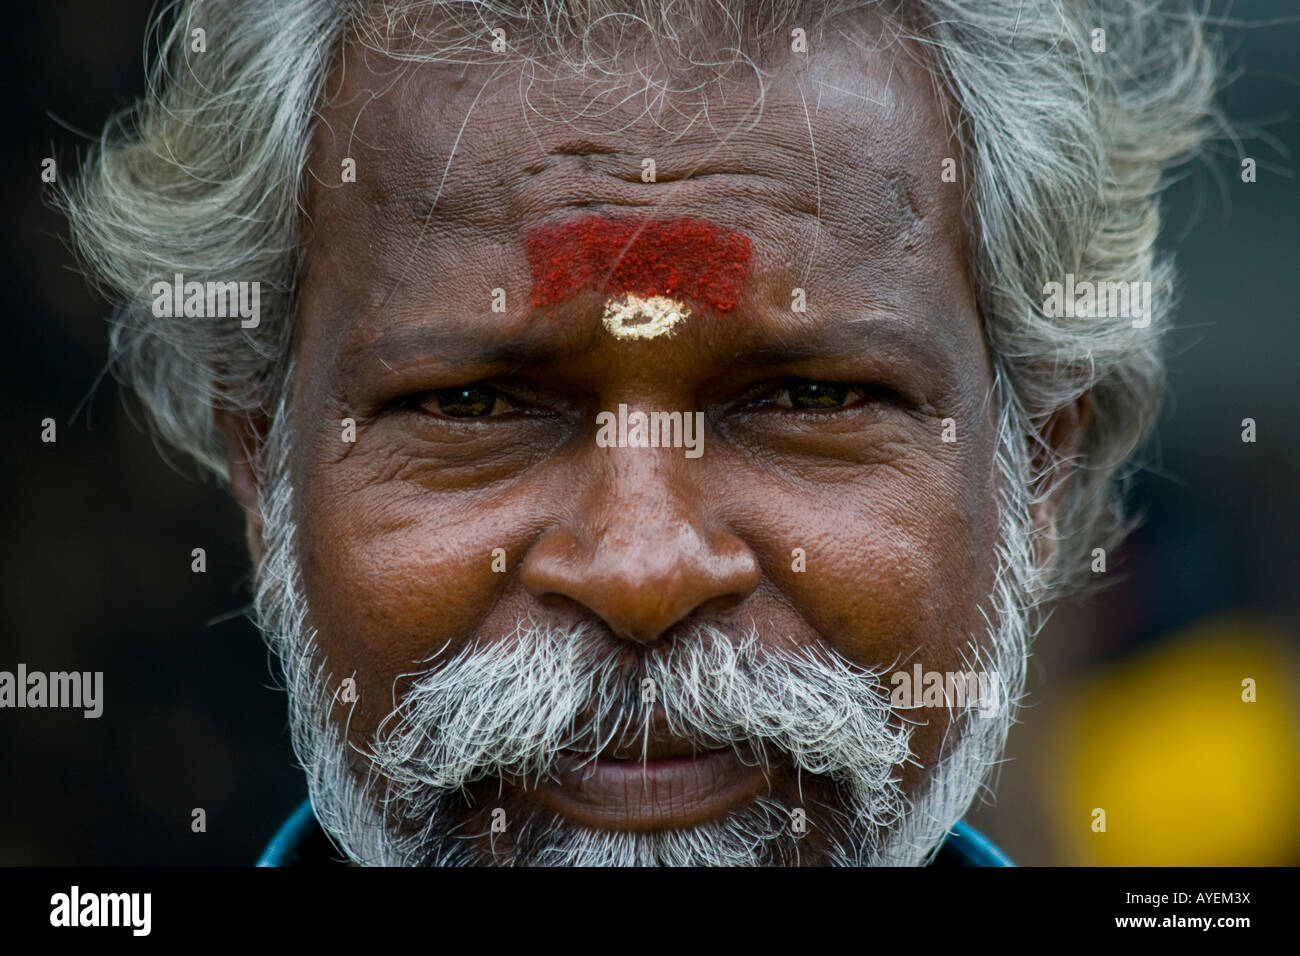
{"x":830,"y":166}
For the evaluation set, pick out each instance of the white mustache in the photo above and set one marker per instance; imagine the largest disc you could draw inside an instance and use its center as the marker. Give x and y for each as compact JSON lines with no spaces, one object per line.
{"x":512,"y":706}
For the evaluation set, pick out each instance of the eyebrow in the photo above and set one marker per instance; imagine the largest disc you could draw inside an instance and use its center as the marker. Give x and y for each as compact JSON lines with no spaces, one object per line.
{"x":848,"y":337}
{"x":451,"y":345}
{"x":540,"y":344}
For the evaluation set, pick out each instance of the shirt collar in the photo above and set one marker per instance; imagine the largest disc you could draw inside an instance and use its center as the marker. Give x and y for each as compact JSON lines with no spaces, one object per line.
{"x":293,"y":842}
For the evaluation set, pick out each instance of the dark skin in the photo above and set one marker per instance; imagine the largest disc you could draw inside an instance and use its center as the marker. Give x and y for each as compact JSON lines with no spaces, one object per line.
{"x":397,"y":530}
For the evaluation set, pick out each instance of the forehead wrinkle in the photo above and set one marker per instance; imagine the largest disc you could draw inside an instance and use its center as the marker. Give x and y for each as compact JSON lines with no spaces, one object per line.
{"x":880,"y":196}
{"x":866,"y":203}
{"x":445,"y":108}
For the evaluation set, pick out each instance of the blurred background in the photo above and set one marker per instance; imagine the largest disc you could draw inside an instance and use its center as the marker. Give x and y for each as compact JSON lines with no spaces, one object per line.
{"x":1135,"y":701}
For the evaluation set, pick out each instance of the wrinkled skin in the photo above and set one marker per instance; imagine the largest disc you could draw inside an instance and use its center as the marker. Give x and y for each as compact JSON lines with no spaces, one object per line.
{"x":397,"y":530}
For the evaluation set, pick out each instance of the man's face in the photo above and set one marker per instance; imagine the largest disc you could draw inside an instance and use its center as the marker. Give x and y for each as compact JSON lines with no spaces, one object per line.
{"x":827,"y":514}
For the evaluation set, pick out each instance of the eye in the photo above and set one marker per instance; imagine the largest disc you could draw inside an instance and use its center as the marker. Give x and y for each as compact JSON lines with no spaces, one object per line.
{"x":463,"y":401}
{"x":813,"y":396}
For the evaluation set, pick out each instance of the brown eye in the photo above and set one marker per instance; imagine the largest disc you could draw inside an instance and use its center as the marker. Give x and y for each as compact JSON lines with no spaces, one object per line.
{"x":467,"y":401}
{"x":816,"y":395}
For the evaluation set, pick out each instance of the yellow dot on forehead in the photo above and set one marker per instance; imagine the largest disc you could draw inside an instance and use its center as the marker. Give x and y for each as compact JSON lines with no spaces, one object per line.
{"x":642,"y":317}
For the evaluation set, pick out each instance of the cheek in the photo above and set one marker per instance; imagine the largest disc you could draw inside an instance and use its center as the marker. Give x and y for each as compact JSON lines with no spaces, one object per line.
{"x":899,"y":563}
{"x":394,"y":574}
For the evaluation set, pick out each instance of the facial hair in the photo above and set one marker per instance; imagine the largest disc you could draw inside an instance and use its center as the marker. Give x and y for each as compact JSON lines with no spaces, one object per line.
{"x":506,"y":708}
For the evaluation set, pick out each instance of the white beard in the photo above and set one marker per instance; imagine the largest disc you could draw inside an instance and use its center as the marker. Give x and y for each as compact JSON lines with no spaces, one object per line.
{"x":510,"y":706}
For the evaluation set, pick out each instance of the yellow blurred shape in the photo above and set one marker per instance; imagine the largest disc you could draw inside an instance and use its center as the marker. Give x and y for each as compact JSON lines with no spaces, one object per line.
{"x":1186,"y":771}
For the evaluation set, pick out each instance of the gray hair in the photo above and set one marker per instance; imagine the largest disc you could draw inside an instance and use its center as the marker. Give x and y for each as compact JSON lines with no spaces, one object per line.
{"x":1063,"y":150}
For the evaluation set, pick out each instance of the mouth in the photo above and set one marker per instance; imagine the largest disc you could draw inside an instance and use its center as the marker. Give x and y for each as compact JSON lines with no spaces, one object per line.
{"x":669,"y":784}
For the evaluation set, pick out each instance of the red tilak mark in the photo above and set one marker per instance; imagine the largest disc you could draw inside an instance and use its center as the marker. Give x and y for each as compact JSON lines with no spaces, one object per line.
{"x":685,"y":258}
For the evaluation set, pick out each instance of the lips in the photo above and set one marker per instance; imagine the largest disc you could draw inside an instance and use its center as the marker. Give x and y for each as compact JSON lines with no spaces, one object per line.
{"x":658,"y":744}
{"x":670,"y":782}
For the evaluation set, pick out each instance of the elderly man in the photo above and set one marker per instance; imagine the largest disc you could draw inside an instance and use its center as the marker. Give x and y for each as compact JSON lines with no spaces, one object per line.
{"x":658,"y":425}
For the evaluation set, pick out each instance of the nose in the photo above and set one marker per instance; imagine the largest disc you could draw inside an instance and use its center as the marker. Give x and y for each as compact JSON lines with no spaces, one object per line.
{"x":642,"y":547}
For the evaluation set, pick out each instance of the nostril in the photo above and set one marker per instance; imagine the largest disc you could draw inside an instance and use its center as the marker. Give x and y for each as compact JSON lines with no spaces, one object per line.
{"x":640,"y":570}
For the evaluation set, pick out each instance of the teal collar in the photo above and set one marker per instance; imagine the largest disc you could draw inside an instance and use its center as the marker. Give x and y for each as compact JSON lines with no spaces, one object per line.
{"x":966,"y":846}
{"x":285,"y":848}
{"x":300,"y":841}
